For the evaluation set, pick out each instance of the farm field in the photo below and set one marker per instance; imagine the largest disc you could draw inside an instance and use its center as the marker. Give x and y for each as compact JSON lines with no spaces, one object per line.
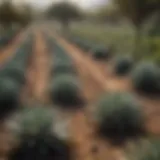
{"x":121,"y":37}
{"x":52,"y":72}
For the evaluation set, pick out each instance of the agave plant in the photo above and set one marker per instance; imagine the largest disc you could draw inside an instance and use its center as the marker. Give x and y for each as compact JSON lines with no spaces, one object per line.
{"x":101,"y":53}
{"x":146,"y":77}
{"x":66,"y":92}
{"x":119,"y":117}
{"x":37,"y":139}
{"x":123,"y":65}
{"x":35,"y":120}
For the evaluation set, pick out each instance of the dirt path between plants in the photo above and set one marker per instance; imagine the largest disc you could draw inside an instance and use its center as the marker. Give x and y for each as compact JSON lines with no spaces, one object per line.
{"x":39,"y":70}
{"x":87,"y":145}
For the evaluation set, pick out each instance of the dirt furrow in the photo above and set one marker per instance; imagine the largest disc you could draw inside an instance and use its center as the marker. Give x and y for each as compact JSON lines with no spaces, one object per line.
{"x":40,"y":69}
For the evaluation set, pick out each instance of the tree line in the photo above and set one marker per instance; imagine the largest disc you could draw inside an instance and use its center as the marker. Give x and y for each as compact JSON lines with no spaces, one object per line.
{"x":135,"y":12}
{"x":10,"y":14}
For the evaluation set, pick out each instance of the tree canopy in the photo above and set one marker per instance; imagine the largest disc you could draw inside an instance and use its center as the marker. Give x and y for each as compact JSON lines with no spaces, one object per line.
{"x":64,"y":12}
{"x":137,"y":11}
{"x":10,"y":14}
{"x":25,"y":15}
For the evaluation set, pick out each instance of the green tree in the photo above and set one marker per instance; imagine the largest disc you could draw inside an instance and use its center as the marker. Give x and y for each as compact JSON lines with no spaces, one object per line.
{"x":8,"y":13}
{"x":25,"y":15}
{"x":137,"y":11}
{"x":64,"y":12}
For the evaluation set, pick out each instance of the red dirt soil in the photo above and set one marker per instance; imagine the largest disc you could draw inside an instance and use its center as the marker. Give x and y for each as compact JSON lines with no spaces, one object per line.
{"x":38,"y":72}
{"x":42,"y":65}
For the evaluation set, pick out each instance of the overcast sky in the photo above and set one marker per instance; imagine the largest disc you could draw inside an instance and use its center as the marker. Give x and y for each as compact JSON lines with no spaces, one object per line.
{"x":81,"y":3}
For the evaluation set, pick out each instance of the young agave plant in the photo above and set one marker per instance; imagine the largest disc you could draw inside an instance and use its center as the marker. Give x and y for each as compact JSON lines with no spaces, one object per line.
{"x":145,"y":78}
{"x":123,"y":65}
{"x":36,"y":137}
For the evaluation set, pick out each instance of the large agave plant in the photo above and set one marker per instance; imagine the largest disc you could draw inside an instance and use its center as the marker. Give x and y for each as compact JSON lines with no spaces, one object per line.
{"x":119,"y":117}
{"x":37,"y":139}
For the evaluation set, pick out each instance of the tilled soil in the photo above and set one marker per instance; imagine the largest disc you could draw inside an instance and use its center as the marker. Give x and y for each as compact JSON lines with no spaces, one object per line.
{"x":38,"y":72}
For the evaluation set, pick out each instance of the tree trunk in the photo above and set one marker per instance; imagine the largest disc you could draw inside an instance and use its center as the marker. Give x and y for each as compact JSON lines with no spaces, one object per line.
{"x":65,"y":27}
{"x":137,"y":43}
